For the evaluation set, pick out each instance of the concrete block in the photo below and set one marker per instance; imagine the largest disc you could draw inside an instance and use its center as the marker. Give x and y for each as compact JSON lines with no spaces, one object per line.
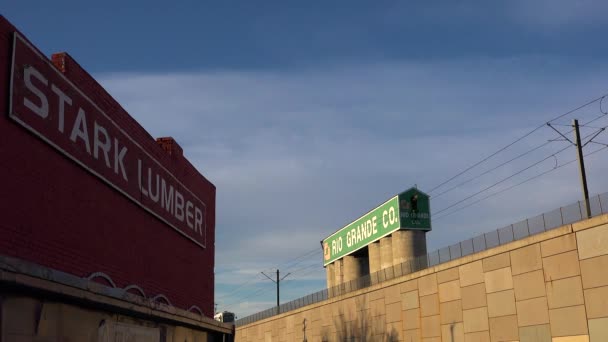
{"x":393,"y":312}
{"x":593,"y":222}
{"x":349,"y":308}
{"x":561,"y":266}
{"x":596,"y":301}
{"x":377,"y":308}
{"x":409,"y":300}
{"x":498,"y":280}
{"x":481,"y":336}
{"x":526,"y":259}
{"x":592,"y":242}
{"x":581,"y":338}
{"x":448,"y":275}
{"x":529,"y":285}
{"x":598,"y":330}
{"x":504,"y":329}
{"x":501,"y":304}
{"x":453,"y":332}
{"x":449,"y":291}
{"x":451,"y":312}
{"x":378,"y":325}
{"x":409,"y":285}
{"x":392,"y":294}
{"x":376,"y":294}
{"x":535,"y":333}
{"x":429,"y":305}
{"x":565,"y":292}
{"x":532,"y":312}
{"x":474,"y":296}
{"x":411,"y":319}
{"x":593,"y":272}
{"x":495,"y":262}
{"x":475,"y":320}
{"x":558,"y":245}
{"x":568,"y":321}
{"x":430,"y":326}
{"x":393,"y":332}
{"x":471,"y":273}
{"x":428,"y":284}
{"x":431,"y":339}
{"x":412,"y":335}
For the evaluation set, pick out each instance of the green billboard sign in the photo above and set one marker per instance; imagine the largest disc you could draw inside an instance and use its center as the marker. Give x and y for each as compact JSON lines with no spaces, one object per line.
{"x":408,"y":210}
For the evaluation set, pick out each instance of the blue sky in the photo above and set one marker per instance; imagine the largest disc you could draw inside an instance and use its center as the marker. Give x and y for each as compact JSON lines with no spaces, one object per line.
{"x":306,"y":115}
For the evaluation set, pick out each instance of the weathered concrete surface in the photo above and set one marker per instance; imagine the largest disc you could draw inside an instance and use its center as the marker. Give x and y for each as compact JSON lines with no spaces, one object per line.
{"x":548,"y":287}
{"x":42,"y":304}
{"x":408,"y":244}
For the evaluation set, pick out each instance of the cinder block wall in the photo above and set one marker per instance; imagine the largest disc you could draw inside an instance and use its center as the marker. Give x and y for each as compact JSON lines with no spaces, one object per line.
{"x":551,"y":287}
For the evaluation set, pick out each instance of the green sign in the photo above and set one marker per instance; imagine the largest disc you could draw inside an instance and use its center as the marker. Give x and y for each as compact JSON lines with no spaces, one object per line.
{"x":414,"y":210}
{"x":408,"y":210}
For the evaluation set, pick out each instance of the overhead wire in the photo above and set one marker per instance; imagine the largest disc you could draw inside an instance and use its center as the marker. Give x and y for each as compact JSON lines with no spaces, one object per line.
{"x":240,"y":287}
{"x":236,"y":290}
{"x":500,"y":181}
{"x":518,"y":184}
{"x":519,"y":172}
{"x":516,"y":141}
{"x":492,"y":169}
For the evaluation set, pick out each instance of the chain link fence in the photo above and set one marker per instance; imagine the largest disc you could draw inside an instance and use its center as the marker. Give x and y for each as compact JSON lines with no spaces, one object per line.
{"x":565,"y":215}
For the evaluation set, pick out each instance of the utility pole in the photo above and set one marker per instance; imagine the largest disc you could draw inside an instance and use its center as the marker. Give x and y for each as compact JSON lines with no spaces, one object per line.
{"x":581,"y":159}
{"x":581,"y":165}
{"x":278,"y":281}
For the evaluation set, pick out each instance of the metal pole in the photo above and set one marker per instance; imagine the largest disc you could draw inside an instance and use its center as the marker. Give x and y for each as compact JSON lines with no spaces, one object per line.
{"x":581,"y":164}
{"x":278,"y":281}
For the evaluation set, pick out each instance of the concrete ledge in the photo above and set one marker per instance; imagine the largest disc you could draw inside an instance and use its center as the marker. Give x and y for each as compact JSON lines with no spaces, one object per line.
{"x":22,"y":275}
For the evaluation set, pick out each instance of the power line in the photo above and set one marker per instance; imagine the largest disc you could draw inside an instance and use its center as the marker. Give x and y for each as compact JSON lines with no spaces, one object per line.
{"x":516,"y":141}
{"x":518,"y":184}
{"x":235,"y":291}
{"x":594,"y":134}
{"x":242,"y":285}
{"x":227,"y":306}
{"x":501,"y":181}
{"x":515,"y":158}
{"x":492,"y":169}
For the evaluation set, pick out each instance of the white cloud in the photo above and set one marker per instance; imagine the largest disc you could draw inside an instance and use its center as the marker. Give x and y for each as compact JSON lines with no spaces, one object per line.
{"x":295,"y":155}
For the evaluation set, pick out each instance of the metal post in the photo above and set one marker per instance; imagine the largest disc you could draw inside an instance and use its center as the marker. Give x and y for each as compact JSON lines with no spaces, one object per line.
{"x":544,"y":223}
{"x":278,"y":281}
{"x":581,"y":164}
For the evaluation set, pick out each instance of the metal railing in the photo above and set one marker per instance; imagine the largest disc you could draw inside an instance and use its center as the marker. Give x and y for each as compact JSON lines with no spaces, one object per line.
{"x":534,"y":225}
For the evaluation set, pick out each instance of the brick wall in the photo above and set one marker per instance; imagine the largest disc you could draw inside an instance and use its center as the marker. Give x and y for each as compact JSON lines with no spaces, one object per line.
{"x":551,"y":287}
{"x":58,"y":215}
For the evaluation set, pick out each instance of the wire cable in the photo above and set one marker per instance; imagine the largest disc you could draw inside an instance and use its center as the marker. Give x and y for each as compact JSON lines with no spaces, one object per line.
{"x":501,"y":181}
{"x":516,"y":141}
{"x":492,"y":169}
{"x":518,"y":184}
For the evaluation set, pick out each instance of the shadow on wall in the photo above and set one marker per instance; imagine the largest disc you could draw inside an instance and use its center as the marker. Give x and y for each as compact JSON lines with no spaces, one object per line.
{"x":361,"y":329}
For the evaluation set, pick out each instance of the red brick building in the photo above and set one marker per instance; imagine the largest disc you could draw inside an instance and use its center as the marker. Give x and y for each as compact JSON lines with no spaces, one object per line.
{"x":87,"y":191}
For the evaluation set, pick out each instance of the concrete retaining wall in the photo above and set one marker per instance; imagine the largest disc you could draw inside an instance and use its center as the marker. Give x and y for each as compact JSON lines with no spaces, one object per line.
{"x":550,"y":287}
